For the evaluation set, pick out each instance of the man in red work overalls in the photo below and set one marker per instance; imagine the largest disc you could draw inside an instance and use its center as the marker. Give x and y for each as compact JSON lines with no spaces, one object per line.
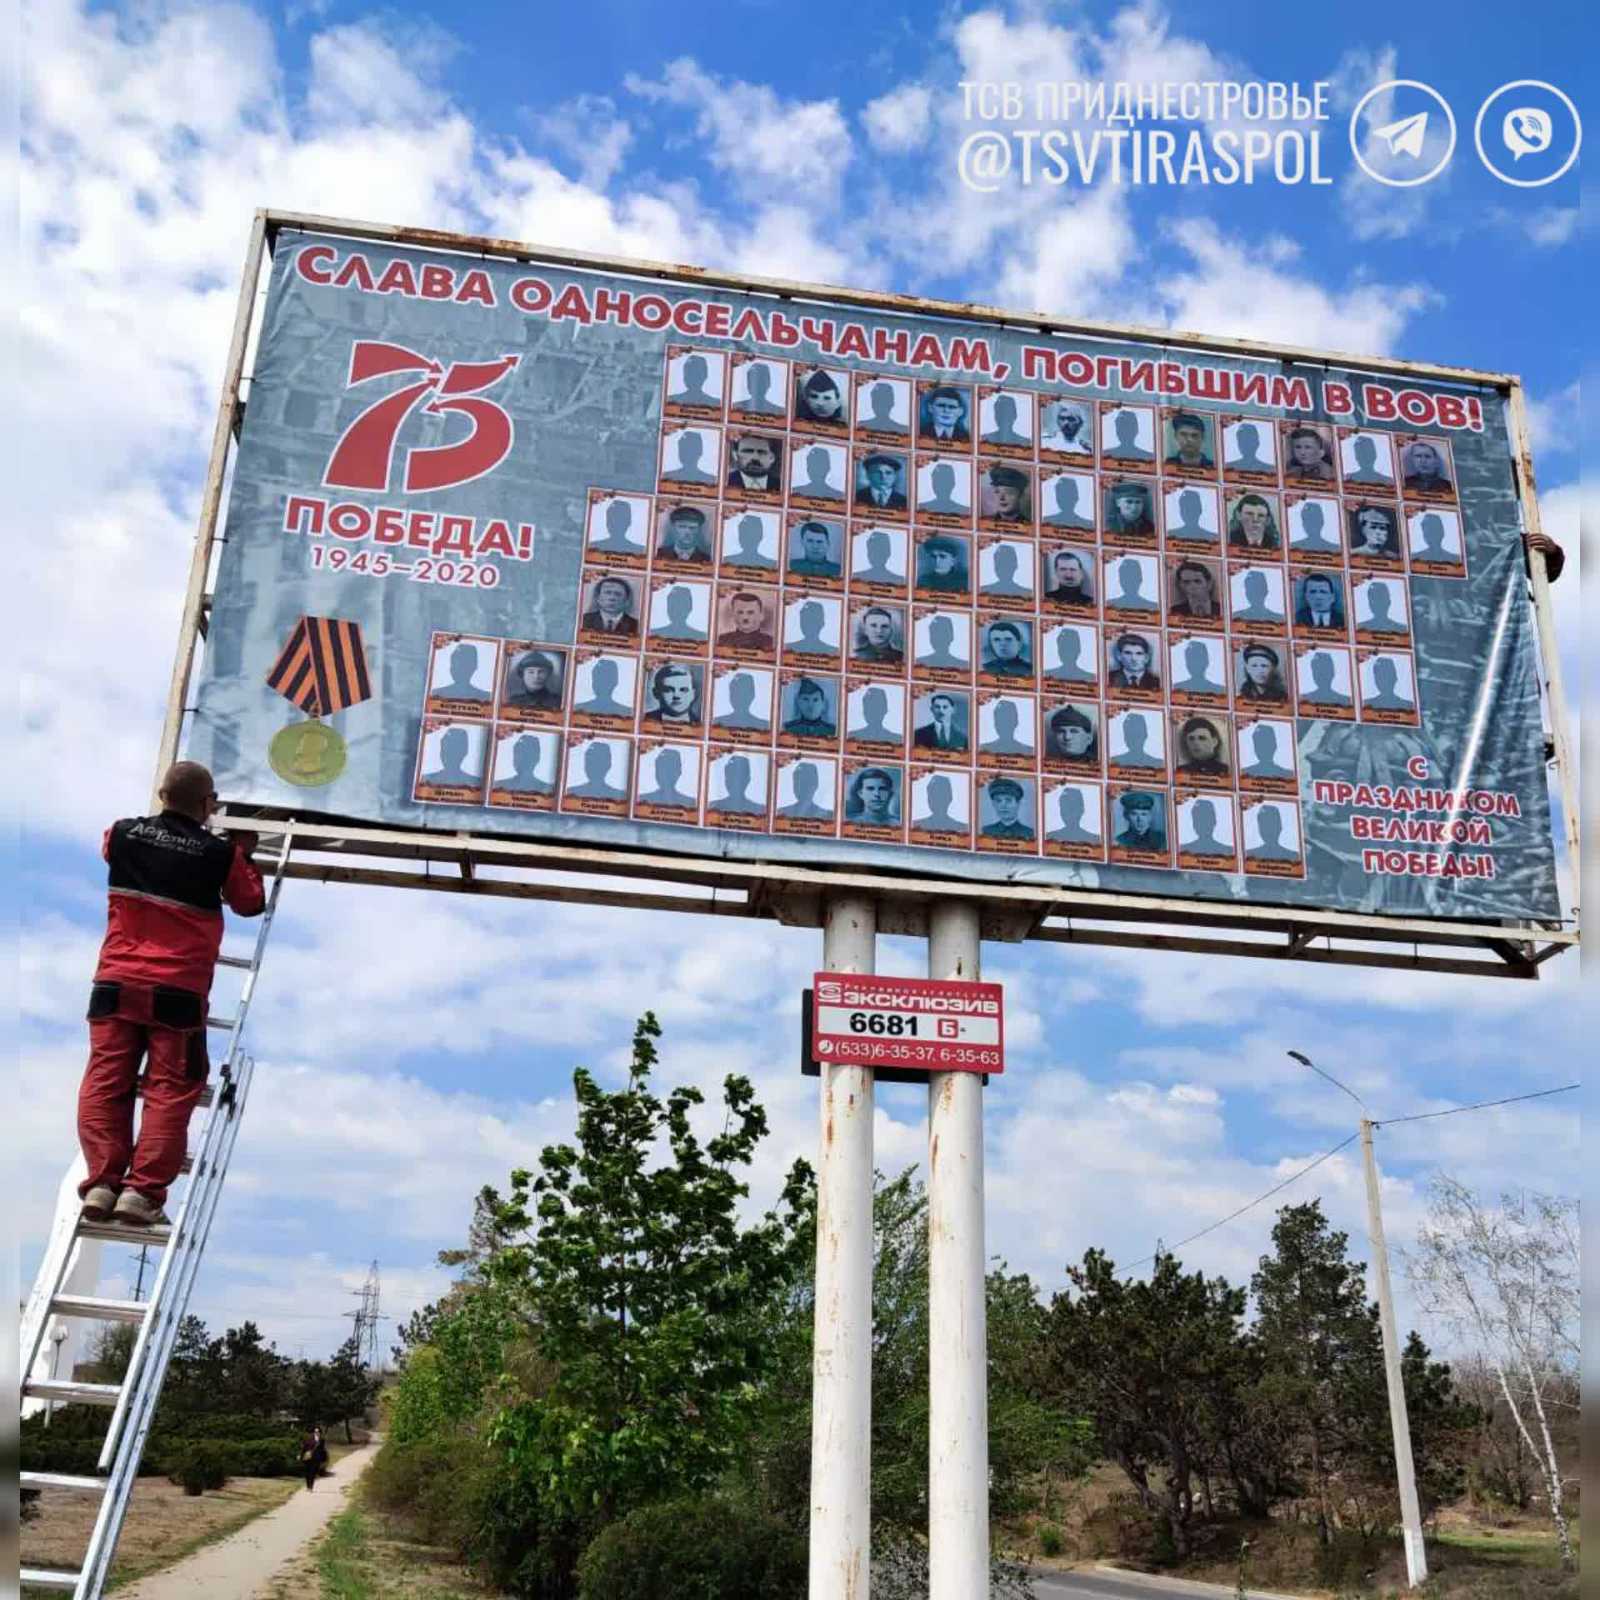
{"x":168,"y":880}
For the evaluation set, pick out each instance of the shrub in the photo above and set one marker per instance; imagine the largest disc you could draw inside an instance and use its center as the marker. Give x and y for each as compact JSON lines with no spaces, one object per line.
{"x":701,"y":1549}
{"x":1050,"y":1541}
{"x":198,"y":1465}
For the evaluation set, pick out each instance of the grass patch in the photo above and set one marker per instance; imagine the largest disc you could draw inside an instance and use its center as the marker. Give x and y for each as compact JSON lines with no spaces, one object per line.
{"x":343,"y":1556}
{"x":1520,"y":1548}
{"x":366,"y":1553}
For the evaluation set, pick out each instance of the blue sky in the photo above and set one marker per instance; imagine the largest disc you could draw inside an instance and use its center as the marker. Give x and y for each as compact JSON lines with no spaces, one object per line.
{"x":414,"y":1047}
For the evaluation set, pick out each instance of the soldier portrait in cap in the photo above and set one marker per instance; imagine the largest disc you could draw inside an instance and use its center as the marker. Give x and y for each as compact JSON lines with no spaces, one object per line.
{"x":813,"y":628}
{"x":533,"y":682}
{"x":691,"y":459}
{"x":1127,"y":433}
{"x":1314,"y":527}
{"x":944,"y":565}
{"x":1433,"y":536}
{"x":1067,"y":501}
{"x":755,"y":465}
{"x":1388,"y":685}
{"x":1127,"y":512}
{"x":879,"y":484}
{"x":882,"y":407}
{"x":1249,"y":450}
{"x":1074,"y":820}
{"x":1324,"y":685}
{"x":696,"y":383}
{"x":1005,"y":422}
{"x":1139,"y":826}
{"x":1190,"y":516}
{"x":808,"y":711}
{"x":806,"y":798}
{"x":452,"y":756}
{"x":758,"y":390}
{"x":667,"y":781}
{"x":878,"y":560}
{"x":875,"y":717}
{"x":741,"y":703}
{"x":598,"y":775}
{"x":683,"y":538}
{"x":1272,"y":839}
{"x":1005,"y":573}
{"x":605,"y":689}
{"x":1005,"y":497}
{"x":815,"y":553}
{"x":1258,"y":673}
{"x":737,"y":783}
{"x":1007,"y":724}
{"x":944,"y":415}
{"x":944,"y":490}
{"x":1188,"y":443}
{"x":1005,"y":649}
{"x":1008,"y":815}
{"x":1066,"y":429}
{"x":1202,"y":749}
{"x":1372,"y":534}
{"x":874,"y":800}
{"x":618,"y":528}
{"x":526,"y":769}
{"x":821,"y":399}
{"x":941,"y":807}
{"x":1208,"y":839}
{"x":749,"y":545}
{"x":1071,"y":736}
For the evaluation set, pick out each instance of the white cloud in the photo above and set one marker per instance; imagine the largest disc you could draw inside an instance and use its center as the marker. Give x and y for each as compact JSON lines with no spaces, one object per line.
{"x":1552,"y":225}
{"x":589,"y":131}
{"x":1553,"y":421}
{"x":899,"y":122}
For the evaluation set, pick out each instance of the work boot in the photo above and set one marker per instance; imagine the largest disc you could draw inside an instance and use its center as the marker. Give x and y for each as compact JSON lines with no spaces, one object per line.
{"x":97,"y":1204}
{"x":138,"y":1212}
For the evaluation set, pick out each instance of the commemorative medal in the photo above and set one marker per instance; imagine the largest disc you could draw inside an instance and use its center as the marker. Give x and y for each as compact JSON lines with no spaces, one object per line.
{"x":322,"y":669}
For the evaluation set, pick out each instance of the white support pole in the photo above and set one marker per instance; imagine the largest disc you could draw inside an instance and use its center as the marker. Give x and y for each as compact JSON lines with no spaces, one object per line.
{"x":841,"y":1371}
{"x":958,"y":1392}
{"x":1405,"y":1472}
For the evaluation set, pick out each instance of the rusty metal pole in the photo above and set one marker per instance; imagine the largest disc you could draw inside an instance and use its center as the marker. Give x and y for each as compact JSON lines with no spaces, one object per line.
{"x":958,"y":1395}
{"x":841,"y":1363}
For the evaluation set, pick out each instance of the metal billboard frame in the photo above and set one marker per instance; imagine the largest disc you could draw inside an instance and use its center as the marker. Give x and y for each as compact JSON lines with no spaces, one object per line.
{"x":394,"y":856}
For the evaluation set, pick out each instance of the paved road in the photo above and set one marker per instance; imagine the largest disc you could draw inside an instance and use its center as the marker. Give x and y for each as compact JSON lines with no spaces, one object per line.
{"x":237,"y":1567}
{"x":1102,"y":1585}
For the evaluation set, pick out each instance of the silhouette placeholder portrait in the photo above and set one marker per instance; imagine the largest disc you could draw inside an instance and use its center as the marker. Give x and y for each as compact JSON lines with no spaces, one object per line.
{"x":806,"y":779}
{"x":1073,"y":824}
{"x":527,"y":756}
{"x":938,"y":797}
{"x":737,"y":776}
{"x":455,"y":750}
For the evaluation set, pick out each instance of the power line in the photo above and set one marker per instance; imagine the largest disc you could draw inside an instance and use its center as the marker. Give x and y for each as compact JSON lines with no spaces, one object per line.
{"x":1222,"y":1222}
{"x":1482,"y":1105}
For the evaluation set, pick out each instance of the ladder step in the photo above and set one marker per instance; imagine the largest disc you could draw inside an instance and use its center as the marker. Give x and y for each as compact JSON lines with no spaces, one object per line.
{"x":225,"y":1024}
{"x":44,"y":1578}
{"x":70,"y":1390}
{"x":61,"y":1480}
{"x":244,"y":962}
{"x":88,"y":1305}
{"x":123,"y":1233}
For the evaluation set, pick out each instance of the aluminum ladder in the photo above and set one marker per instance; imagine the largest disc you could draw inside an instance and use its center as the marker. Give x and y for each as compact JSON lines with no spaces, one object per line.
{"x":133,"y":1401}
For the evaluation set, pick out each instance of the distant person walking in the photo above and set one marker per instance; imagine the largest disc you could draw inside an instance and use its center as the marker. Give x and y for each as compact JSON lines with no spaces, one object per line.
{"x":313,"y":1456}
{"x":169,"y":877}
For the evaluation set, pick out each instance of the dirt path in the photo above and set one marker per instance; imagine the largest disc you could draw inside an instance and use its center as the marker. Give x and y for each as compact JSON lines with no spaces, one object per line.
{"x":241,"y":1566}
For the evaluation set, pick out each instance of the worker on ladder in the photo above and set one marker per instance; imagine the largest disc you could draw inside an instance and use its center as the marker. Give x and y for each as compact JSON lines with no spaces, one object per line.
{"x":169,"y":878}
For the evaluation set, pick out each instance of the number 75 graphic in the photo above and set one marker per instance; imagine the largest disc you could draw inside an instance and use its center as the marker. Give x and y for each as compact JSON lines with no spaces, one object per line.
{"x":364,"y":455}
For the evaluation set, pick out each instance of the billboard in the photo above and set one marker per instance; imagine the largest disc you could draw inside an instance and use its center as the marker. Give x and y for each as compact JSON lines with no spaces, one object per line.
{"x":519,"y":548}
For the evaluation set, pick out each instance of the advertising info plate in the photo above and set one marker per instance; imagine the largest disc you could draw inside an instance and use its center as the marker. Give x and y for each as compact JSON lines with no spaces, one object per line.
{"x":920,"y":1024}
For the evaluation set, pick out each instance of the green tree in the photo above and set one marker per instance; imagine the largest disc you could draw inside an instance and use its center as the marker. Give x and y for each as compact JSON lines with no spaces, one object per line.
{"x":1144,"y":1362}
{"x":351,"y":1387}
{"x":644,"y":1292}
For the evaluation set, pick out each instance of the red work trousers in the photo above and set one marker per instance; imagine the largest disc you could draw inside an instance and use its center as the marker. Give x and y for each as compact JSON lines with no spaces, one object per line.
{"x":175,"y":1077}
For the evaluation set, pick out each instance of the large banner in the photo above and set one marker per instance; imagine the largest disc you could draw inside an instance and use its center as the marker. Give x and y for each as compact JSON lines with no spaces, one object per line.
{"x":516,"y":549}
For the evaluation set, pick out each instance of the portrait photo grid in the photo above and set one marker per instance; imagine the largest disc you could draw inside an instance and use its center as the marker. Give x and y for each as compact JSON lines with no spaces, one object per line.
{"x":961,"y":616}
